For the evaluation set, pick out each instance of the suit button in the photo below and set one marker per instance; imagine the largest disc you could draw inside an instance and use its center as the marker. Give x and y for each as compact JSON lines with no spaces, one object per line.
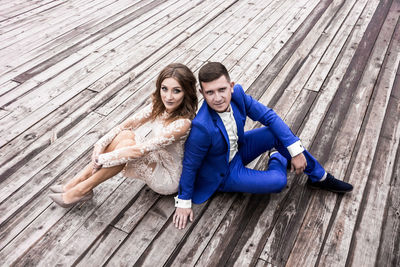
{"x":222,"y":174}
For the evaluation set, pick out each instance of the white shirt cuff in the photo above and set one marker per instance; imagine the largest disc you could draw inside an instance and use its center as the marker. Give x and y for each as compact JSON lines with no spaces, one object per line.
{"x":183,"y":203}
{"x":295,"y":148}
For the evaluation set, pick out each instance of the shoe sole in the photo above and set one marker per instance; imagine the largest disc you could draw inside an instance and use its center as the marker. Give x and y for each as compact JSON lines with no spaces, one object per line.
{"x":334,"y":191}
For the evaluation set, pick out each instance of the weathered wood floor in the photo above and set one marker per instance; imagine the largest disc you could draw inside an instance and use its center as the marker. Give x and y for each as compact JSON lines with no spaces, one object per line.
{"x":71,"y":70}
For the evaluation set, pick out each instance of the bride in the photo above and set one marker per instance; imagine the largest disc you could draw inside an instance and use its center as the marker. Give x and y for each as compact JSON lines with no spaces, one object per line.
{"x":156,"y":158}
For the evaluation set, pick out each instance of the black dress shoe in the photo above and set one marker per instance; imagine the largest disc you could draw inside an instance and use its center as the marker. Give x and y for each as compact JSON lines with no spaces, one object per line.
{"x":331,"y":184}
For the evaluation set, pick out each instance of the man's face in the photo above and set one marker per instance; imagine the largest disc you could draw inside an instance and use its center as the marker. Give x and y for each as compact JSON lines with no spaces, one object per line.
{"x":218,"y":93}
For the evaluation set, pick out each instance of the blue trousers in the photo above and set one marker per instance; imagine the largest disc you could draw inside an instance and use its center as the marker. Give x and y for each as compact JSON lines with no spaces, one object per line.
{"x":272,"y":180}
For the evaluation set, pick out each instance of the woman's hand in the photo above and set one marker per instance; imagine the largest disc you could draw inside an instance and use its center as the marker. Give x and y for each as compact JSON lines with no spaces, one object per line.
{"x":180,"y":217}
{"x":299,"y":163}
{"x":95,"y":155}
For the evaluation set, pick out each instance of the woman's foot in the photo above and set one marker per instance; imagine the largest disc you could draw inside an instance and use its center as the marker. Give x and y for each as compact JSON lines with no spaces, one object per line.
{"x":57,"y":189}
{"x":65,"y":201}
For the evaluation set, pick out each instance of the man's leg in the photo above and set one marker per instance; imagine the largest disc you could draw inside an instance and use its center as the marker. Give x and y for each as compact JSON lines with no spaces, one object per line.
{"x":262,"y":139}
{"x":242,"y":179}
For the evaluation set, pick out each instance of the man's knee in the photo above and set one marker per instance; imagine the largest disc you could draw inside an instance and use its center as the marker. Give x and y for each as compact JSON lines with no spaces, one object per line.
{"x":280,"y":181}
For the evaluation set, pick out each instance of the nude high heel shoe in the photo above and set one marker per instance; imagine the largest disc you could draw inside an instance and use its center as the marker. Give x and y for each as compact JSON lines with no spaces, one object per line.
{"x":57,"y":189}
{"x":58,"y":199}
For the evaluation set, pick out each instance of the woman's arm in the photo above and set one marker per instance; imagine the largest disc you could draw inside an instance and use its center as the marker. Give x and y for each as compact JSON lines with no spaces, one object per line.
{"x":131,"y":123}
{"x":175,"y":131}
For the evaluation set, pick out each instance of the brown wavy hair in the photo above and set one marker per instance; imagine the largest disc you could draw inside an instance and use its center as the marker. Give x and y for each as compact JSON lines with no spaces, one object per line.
{"x":186,"y":79}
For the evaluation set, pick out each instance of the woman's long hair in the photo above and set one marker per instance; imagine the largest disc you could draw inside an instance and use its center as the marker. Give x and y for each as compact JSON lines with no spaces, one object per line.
{"x":184,"y":76}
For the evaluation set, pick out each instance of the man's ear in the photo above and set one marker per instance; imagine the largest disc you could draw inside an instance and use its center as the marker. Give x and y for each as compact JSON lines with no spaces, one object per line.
{"x":232,"y":85}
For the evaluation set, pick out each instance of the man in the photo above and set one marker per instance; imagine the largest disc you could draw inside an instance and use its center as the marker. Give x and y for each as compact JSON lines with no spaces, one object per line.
{"x":218,"y":149}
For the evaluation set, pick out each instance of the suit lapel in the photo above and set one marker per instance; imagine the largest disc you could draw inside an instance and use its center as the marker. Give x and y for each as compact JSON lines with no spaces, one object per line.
{"x":221,"y":127}
{"x":238,"y":119}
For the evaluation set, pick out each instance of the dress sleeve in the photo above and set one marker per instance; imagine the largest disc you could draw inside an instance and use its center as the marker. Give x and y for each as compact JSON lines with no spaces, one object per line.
{"x":175,"y":131}
{"x":131,"y":123}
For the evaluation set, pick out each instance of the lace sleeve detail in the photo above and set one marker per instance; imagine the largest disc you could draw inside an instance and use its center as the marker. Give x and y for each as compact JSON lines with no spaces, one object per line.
{"x":175,"y":131}
{"x":131,"y":123}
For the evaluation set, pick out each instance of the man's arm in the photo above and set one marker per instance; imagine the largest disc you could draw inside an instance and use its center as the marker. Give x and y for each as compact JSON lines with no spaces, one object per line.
{"x":259,"y":112}
{"x":196,"y":148}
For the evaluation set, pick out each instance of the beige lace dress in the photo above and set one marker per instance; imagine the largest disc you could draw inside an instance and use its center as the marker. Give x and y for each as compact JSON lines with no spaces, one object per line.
{"x":158,"y":144}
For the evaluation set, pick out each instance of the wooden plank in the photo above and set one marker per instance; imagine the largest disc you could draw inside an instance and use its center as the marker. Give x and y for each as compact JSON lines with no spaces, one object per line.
{"x":291,"y":71}
{"x":32,"y":209}
{"x":293,"y":89}
{"x":365,"y":243}
{"x":329,"y":45}
{"x":316,"y":223}
{"x":283,"y":53}
{"x":52,"y":225}
{"x":86,"y":41}
{"x":389,"y":250}
{"x":103,"y":248}
{"x":137,"y":210}
{"x":82,"y":238}
{"x":192,"y":247}
{"x":15,"y":21}
{"x":17,"y":9}
{"x":159,"y":217}
{"x":88,"y":52}
{"x":322,"y":69}
{"x":243,"y":210}
{"x":300,"y":109}
{"x":37,"y":176}
{"x":106,"y":67}
{"x":170,"y":239}
{"x":15,"y":40}
{"x":246,"y":53}
{"x":7,"y":87}
{"x":48,"y":11}
{"x":330,"y":84}
{"x":262,"y":263}
{"x":65,"y":19}
{"x":4,"y":113}
{"x":37,"y":61}
{"x":19,"y":151}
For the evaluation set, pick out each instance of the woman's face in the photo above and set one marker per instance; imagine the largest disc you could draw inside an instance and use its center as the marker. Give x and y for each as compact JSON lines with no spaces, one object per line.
{"x":171,"y":94}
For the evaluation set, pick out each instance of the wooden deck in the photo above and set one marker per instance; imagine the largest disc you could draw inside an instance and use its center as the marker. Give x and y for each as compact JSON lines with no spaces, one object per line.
{"x":71,"y":70}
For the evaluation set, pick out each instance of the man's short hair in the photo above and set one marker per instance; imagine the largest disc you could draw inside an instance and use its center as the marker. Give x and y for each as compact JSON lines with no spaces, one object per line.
{"x":212,"y":71}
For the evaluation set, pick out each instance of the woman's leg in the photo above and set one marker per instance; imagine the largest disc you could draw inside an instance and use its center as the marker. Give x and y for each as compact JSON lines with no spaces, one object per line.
{"x":124,"y":136}
{"x":84,"y":186}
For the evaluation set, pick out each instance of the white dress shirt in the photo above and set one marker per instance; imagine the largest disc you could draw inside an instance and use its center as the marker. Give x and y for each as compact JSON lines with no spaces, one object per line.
{"x":231,"y":129}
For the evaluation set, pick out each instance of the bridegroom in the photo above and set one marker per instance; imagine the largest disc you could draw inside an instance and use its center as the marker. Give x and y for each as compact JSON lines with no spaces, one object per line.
{"x":217,"y":149}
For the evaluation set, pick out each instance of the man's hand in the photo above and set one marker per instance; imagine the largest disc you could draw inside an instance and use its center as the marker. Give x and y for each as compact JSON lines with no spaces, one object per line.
{"x":299,"y":163}
{"x":180,"y":217}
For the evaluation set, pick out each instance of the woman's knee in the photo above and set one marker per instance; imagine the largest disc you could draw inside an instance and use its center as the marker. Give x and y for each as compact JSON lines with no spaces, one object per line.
{"x":123,"y":139}
{"x":125,"y":135}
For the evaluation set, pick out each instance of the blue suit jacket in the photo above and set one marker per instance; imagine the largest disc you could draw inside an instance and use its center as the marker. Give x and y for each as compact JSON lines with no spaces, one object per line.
{"x":206,"y":157}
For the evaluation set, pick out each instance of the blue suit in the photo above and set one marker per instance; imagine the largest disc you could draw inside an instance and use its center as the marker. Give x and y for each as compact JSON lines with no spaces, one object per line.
{"x":206,"y":167}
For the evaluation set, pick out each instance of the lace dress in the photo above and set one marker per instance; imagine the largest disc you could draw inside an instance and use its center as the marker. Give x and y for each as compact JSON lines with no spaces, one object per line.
{"x":158,"y":145}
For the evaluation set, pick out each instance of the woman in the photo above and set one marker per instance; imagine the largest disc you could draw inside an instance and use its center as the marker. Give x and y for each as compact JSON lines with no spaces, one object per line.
{"x":155,"y":158}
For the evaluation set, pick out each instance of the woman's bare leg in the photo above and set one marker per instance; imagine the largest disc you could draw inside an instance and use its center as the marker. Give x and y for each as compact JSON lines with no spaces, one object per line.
{"x":76,"y":192}
{"x":123,"y":136}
